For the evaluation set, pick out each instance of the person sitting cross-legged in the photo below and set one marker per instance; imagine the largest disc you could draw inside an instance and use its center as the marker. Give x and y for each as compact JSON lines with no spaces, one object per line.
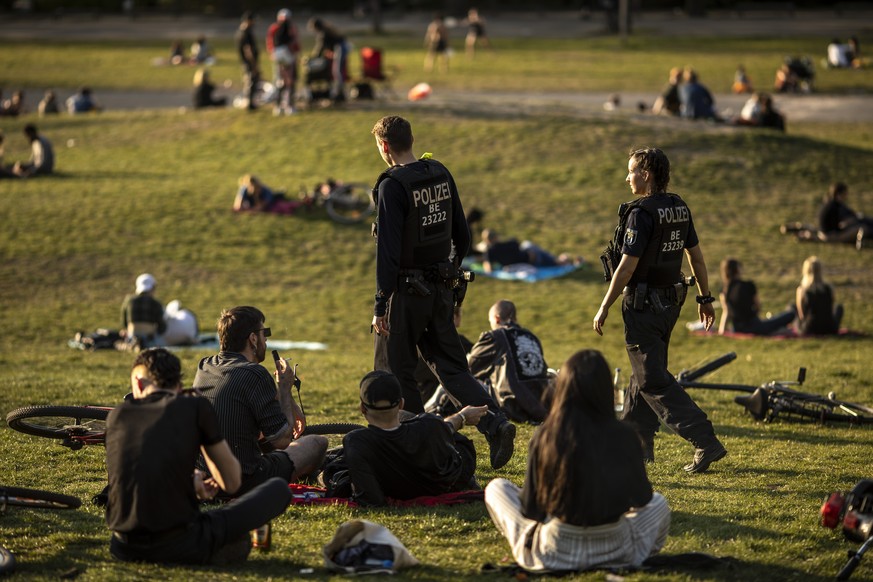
{"x":586,"y":501}
{"x":509,"y":359}
{"x":424,"y":455}
{"x":152,"y":443}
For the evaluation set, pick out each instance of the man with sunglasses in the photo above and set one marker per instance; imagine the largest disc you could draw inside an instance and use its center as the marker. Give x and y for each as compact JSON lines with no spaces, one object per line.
{"x":251,"y":406}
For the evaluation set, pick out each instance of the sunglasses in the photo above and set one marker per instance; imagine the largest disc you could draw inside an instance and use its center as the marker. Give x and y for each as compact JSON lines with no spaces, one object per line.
{"x":266,"y":331}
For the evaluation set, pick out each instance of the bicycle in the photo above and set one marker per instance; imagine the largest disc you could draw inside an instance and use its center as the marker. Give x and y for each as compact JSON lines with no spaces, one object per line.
{"x":32,"y":498}
{"x":772,"y":399}
{"x":77,"y":426}
{"x":345,"y":203}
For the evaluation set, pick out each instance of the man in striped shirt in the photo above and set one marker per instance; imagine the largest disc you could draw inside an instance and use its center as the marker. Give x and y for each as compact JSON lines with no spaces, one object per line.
{"x":249,"y":403}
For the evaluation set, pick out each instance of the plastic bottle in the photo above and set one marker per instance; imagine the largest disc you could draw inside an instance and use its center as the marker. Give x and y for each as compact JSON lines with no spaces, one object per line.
{"x":618,"y":391}
{"x":261,"y":537}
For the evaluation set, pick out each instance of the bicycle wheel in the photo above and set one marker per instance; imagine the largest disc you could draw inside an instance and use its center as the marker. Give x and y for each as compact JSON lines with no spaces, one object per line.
{"x":20,"y":497}
{"x":817,"y":408}
{"x":706,"y":367}
{"x":7,"y":561}
{"x":349,"y":203}
{"x":330,"y":428}
{"x":84,"y":423}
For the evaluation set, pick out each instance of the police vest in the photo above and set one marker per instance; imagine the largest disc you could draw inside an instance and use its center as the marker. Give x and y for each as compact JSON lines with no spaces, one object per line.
{"x":661,"y":262}
{"x":426,"y":236}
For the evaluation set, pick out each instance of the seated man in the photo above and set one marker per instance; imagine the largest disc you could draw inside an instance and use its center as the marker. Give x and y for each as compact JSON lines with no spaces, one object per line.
{"x":152,"y":443}
{"x":249,"y":404}
{"x":509,"y":359}
{"x":838,"y":222}
{"x":82,"y":102}
{"x":424,"y":455}
{"x":142,"y":316}
{"x":42,"y":156}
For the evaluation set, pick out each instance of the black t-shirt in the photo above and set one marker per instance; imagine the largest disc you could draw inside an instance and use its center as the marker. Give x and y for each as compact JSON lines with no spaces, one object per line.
{"x":246,"y":38}
{"x":818,"y":310}
{"x":151,"y":446}
{"x":833,"y":214}
{"x":417,"y":458}
{"x":740,"y":296}
{"x":506,"y":252}
{"x":616,"y":481}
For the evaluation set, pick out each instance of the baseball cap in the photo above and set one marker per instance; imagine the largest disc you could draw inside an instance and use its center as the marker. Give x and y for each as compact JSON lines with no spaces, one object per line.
{"x":283,"y":14}
{"x":145,"y":282}
{"x":380,"y":386}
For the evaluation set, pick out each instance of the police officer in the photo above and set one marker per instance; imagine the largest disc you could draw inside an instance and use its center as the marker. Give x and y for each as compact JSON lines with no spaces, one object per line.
{"x":656,"y":231}
{"x":421,"y":236}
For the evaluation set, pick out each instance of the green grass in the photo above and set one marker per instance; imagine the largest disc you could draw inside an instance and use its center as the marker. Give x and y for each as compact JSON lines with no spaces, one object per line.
{"x":151,"y":191}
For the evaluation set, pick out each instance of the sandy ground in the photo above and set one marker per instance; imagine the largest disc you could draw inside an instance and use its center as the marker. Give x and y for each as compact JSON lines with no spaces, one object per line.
{"x":844,"y":108}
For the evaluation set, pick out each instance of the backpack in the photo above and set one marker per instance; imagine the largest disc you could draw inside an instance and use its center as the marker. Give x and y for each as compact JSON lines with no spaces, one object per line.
{"x":520,"y":398}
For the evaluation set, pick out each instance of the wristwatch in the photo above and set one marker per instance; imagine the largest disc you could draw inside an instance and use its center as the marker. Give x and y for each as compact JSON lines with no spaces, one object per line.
{"x":705,"y":299}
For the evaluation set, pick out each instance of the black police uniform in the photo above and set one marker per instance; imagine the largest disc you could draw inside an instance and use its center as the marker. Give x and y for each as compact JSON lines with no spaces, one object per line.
{"x":421,"y":230}
{"x":658,"y":230}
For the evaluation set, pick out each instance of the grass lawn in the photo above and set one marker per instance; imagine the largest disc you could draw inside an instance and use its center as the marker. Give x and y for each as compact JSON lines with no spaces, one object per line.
{"x":151,"y":191}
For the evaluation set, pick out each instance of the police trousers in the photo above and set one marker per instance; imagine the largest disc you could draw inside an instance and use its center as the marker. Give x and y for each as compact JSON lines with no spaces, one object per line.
{"x":424,"y":325}
{"x":653,"y":394}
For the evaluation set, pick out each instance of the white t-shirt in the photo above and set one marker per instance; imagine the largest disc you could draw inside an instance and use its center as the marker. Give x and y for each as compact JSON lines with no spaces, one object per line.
{"x":181,"y":325}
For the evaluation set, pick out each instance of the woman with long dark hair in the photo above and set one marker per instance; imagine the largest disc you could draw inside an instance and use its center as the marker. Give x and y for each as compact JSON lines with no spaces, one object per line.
{"x":741,"y":306}
{"x":586,"y":500}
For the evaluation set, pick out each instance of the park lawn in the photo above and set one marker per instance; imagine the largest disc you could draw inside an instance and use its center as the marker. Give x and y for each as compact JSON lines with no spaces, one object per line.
{"x":594,"y":63}
{"x":151,"y":191}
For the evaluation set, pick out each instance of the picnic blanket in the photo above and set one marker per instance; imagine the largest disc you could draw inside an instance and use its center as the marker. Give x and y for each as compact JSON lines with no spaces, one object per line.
{"x":523,"y":272}
{"x":311,"y":495}
{"x":787,"y":334}
{"x":209,"y":341}
{"x":109,"y":339}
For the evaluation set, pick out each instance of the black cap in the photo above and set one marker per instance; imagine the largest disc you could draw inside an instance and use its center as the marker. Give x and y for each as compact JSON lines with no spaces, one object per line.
{"x":380,"y":386}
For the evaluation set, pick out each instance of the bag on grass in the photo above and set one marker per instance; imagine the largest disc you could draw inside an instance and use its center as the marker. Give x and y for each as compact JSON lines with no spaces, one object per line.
{"x":363,"y":547}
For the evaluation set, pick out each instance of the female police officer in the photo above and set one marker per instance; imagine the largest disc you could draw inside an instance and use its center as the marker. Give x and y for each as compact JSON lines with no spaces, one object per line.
{"x":655,"y":229}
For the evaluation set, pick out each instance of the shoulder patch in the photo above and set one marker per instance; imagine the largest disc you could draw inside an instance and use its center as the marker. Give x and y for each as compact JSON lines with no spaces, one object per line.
{"x":630,"y":236}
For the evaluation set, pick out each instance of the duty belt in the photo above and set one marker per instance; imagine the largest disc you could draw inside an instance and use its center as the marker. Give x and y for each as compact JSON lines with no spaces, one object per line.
{"x":659,"y":298}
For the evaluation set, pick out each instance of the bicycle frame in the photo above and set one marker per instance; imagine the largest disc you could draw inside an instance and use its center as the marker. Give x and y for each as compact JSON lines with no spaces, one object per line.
{"x":767,"y":401}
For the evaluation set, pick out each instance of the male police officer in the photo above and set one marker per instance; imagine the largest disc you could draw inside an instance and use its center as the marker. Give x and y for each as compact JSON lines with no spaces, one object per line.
{"x":656,"y":229}
{"x":421,"y":236}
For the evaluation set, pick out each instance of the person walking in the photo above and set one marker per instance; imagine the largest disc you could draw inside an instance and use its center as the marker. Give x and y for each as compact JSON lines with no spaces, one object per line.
{"x":655,"y":231}
{"x":248,"y":55}
{"x":421,"y":236}
{"x":284,"y":47}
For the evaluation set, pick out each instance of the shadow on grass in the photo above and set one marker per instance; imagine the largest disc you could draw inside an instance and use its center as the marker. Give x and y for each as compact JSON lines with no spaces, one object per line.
{"x":784,"y":431}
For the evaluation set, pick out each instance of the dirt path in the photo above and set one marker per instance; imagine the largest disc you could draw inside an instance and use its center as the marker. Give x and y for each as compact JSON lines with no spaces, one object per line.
{"x":826,"y":108}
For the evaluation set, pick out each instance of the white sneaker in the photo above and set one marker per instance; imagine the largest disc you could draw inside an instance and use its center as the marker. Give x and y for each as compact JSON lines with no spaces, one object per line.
{"x":277,"y":111}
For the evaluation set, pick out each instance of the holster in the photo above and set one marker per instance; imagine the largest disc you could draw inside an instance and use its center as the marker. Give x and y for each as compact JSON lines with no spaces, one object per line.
{"x":415,"y":285}
{"x":640,"y":293}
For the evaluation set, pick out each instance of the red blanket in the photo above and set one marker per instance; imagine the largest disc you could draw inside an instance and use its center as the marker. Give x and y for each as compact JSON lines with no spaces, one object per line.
{"x":309,"y":495}
{"x":790,"y":334}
